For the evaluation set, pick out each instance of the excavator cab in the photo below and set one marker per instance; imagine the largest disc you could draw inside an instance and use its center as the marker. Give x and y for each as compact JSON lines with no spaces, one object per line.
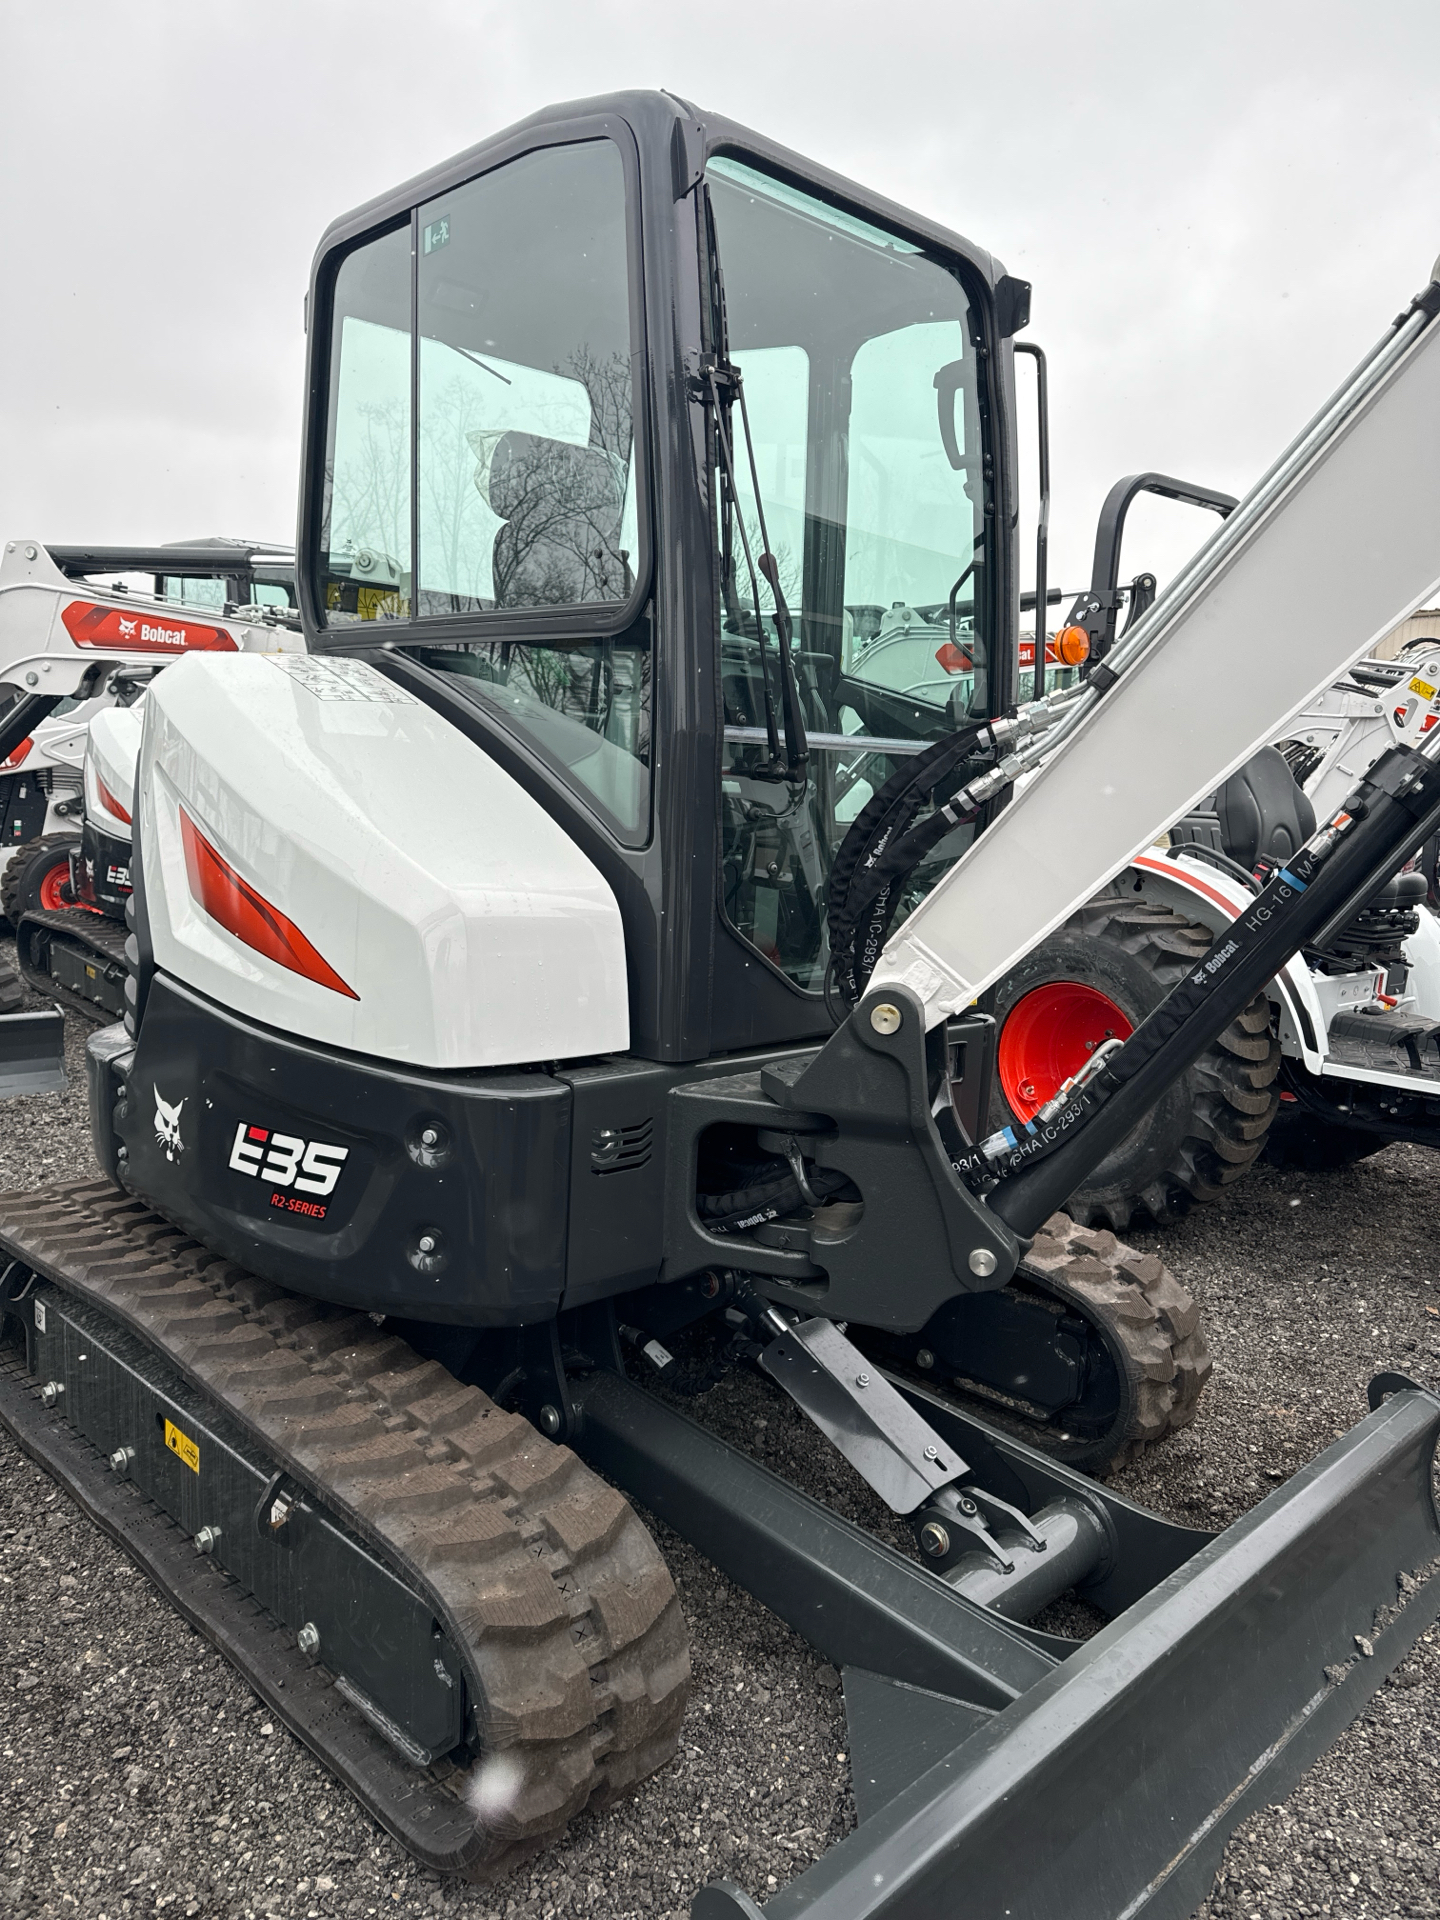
{"x":526,"y":483}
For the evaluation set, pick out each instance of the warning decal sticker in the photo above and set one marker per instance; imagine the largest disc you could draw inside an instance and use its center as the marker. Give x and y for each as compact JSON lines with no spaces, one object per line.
{"x":340,"y":679}
{"x":181,"y":1444}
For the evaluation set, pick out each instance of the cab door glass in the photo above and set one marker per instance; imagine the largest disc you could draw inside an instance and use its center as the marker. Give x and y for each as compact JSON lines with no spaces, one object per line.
{"x":777,"y":394}
{"x":865,"y":399}
{"x":526,"y":419}
{"x":365,"y":506}
{"x":904,"y":501}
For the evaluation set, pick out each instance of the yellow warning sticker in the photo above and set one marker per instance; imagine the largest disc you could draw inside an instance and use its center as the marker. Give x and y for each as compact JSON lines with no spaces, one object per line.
{"x":181,"y":1443}
{"x":1423,"y":688}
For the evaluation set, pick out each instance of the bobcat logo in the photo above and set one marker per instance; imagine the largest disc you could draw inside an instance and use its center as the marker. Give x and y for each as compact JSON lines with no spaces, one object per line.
{"x":127,"y":631}
{"x":167,"y":1126}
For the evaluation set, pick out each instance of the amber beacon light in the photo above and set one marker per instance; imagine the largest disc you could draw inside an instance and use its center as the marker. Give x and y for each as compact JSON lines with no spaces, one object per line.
{"x":1071,"y":646}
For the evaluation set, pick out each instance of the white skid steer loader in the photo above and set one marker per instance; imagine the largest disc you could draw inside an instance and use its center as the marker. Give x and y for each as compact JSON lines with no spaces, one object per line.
{"x":83,"y":630}
{"x":511,"y":988}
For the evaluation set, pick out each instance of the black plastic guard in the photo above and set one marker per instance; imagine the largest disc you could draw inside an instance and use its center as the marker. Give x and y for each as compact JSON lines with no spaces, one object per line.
{"x":1108,"y":1789}
{"x":450,"y":1202}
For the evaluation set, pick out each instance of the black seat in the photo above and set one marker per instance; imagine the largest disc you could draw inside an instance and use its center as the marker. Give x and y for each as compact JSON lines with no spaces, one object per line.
{"x":1263,"y":814}
{"x":562,"y":506}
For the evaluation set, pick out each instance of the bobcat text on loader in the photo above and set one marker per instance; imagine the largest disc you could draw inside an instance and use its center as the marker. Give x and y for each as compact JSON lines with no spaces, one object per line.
{"x":578,"y":949}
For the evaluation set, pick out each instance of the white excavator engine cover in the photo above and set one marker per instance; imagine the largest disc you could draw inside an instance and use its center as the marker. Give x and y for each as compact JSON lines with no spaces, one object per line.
{"x":112,"y":749}
{"x":432,"y":913}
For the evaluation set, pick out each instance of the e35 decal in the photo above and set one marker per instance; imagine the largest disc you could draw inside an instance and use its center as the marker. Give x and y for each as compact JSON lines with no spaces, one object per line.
{"x":285,"y":1160}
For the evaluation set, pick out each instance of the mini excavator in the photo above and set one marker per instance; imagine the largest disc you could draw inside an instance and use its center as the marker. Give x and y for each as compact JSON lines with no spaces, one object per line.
{"x":583,"y":947}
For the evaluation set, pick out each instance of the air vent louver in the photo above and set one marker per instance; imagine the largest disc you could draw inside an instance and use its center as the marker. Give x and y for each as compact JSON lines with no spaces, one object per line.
{"x":622,"y":1149}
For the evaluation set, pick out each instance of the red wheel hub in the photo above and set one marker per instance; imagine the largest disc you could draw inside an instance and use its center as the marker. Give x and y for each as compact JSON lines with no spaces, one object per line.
{"x":1048,"y":1036}
{"x":55,"y":888}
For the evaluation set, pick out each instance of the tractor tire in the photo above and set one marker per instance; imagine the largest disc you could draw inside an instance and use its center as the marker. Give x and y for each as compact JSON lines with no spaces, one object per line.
{"x":1100,"y":974}
{"x":37,"y":877}
{"x":1320,"y":1146}
{"x":12,"y":988}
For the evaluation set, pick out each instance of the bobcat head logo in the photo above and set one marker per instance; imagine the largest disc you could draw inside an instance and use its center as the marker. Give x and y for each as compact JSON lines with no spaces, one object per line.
{"x":167,"y":1126}
{"x":127,"y":630}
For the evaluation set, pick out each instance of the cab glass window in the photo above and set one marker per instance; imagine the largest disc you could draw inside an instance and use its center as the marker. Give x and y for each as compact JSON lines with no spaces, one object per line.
{"x":585,"y":707}
{"x":857,"y":356}
{"x":365,"y":503}
{"x":526,"y":442}
{"x":510,"y":313}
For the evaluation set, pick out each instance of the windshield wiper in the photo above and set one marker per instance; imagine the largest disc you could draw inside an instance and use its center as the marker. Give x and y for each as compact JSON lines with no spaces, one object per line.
{"x":466,"y":354}
{"x":723,"y":378}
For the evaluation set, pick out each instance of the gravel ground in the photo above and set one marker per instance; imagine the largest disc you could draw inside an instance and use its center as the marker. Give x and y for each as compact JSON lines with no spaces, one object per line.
{"x":140,"y":1774}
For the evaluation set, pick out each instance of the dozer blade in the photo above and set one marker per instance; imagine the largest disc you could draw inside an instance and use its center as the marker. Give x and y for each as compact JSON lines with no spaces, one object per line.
{"x":32,"y":1053}
{"x":1108,"y":1789}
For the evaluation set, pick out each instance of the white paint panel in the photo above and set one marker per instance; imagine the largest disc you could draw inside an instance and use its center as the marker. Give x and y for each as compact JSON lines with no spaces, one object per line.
{"x":112,"y":753}
{"x":473,"y":930}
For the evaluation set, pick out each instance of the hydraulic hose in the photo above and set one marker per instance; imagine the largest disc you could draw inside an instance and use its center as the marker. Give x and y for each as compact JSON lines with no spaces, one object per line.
{"x":861,"y":878}
{"x":883,"y":846}
{"x":1390,"y":813}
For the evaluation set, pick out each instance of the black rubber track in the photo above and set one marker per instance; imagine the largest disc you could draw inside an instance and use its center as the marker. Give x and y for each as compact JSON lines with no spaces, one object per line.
{"x":1143,"y":1321}
{"x":96,"y":937}
{"x":575,"y":1651}
{"x":1211,"y":1124}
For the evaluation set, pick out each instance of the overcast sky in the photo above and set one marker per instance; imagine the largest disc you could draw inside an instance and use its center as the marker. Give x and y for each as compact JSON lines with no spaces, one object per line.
{"x":1220,"y":205}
